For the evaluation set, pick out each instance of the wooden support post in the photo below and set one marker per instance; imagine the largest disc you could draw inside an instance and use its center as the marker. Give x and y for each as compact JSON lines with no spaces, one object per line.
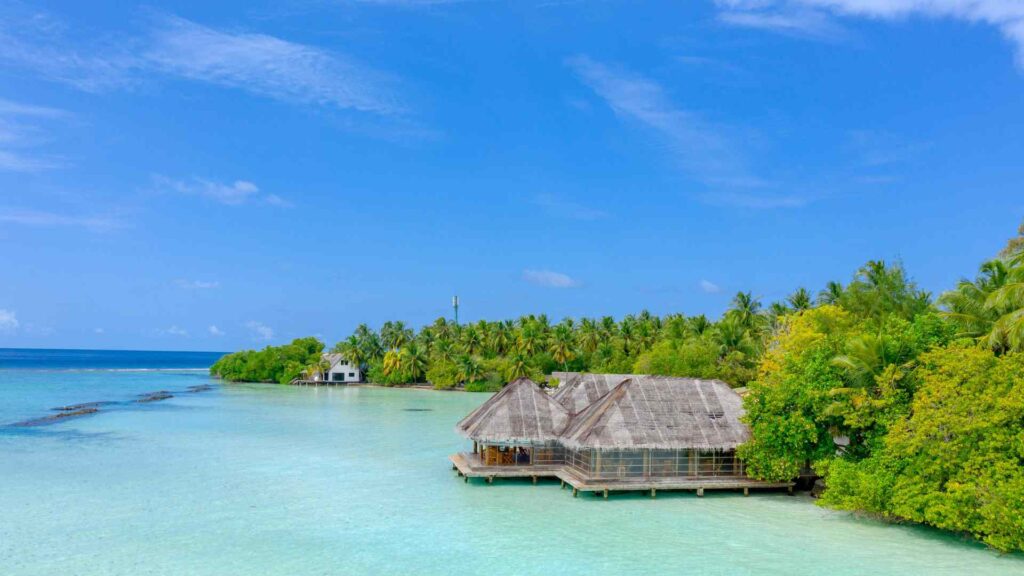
{"x":574,"y":492}
{"x":746,"y":491}
{"x":700,"y":491}
{"x":561,"y":484}
{"x":605,"y":493}
{"x":790,"y":489}
{"x":490,"y":479}
{"x":653,"y":493}
{"x":465,"y":479}
{"x":534,"y":479}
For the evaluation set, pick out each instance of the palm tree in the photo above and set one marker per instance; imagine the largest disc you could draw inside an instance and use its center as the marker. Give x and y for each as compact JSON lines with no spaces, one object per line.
{"x":699,"y":324}
{"x":530,"y":339}
{"x":561,"y":347}
{"x":413,"y":362}
{"x":392,"y":363}
{"x":990,"y":309}
{"x":800,"y":300}
{"x":732,"y":335}
{"x":472,"y":340}
{"x":866,"y":356}
{"x":746,"y":308}
{"x":351,"y":351}
{"x":831,"y":294}
{"x":470,"y":369}
{"x":609,"y":326}
{"x":588,"y":335}
{"x":444,"y":351}
{"x":519,"y":367}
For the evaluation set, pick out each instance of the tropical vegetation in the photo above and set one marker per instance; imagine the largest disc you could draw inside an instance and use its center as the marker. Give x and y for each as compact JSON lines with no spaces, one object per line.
{"x":908,"y":407}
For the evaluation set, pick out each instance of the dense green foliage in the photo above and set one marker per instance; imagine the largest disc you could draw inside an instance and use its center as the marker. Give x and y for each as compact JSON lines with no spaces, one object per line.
{"x":272,"y":364}
{"x":447,"y":354}
{"x":907,"y":409}
{"x":957,"y":461}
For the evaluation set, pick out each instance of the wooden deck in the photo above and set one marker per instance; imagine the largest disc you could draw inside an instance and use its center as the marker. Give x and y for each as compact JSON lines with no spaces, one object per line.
{"x":470,"y":466}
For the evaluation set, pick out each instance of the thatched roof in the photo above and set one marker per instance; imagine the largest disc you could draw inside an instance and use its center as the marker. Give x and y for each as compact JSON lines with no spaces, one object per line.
{"x":663,"y":413}
{"x":520,"y":414}
{"x":576,"y":391}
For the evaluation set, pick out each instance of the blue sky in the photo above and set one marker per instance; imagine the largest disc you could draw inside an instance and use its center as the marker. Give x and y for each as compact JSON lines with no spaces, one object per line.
{"x":176,"y":176}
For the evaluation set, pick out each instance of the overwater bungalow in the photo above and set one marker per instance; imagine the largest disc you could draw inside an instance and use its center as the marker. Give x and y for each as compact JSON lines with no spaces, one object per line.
{"x":621,"y":432}
{"x":515,"y":433}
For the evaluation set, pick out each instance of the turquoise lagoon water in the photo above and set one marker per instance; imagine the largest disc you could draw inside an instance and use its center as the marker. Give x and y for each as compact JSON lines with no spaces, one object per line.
{"x":274,"y":480}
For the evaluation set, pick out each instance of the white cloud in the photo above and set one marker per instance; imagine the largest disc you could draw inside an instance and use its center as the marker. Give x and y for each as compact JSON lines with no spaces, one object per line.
{"x":562,"y":208}
{"x":710,"y":287}
{"x":256,"y":63}
{"x":53,"y":219}
{"x":549,"y":279}
{"x":98,"y":330}
{"x":176,"y":331}
{"x":198,"y":284}
{"x":214,"y":331}
{"x":702,"y":149}
{"x":8,"y":321}
{"x":233,"y":194}
{"x":1006,"y":15}
{"x":260,"y":331}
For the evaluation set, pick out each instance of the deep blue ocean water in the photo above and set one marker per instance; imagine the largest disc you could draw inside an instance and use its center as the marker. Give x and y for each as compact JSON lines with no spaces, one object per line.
{"x":246,"y":479}
{"x":52,"y":359}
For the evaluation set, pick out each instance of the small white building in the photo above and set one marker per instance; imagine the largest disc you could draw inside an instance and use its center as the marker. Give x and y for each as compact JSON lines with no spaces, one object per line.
{"x":340,"y":370}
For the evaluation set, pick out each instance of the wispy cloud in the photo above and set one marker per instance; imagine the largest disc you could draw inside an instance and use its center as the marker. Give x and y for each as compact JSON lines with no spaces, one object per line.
{"x":754,"y":201}
{"x":710,"y":287}
{"x":810,"y":23}
{"x":266,"y":65}
{"x":549,"y":279}
{"x":231,"y":194}
{"x":36,"y":41}
{"x":701,"y":148}
{"x":197,"y":284}
{"x":704,"y":150}
{"x":98,"y":331}
{"x":875,"y":148}
{"x":259,"y":330}
{"x":8,"y":321}
{"x":214,"y":331}
{"x":256,"y":63}
{"x":561,"y":208}
{"x":21,"y":133}
{"x":53,"y":219}
{"x":790,"y":15}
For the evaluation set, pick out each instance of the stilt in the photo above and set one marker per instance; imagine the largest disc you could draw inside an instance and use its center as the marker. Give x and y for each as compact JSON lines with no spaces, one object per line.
{"x":454,"y":467}
{"x":575,"y":492}
{"x":534,"y":479}
{"x":561,"y":484}
{"x":746,"y":491}
{"x":700,"y":492}
{"x":605,"y":493}
{"x":790,"y":489}
{"x":465,"y":479}
{"x":490,"y":479}
{"x":654,"y":493}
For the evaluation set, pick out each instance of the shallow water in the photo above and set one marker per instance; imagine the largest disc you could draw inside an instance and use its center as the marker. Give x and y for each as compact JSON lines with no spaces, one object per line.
{"x":264,"y":479}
